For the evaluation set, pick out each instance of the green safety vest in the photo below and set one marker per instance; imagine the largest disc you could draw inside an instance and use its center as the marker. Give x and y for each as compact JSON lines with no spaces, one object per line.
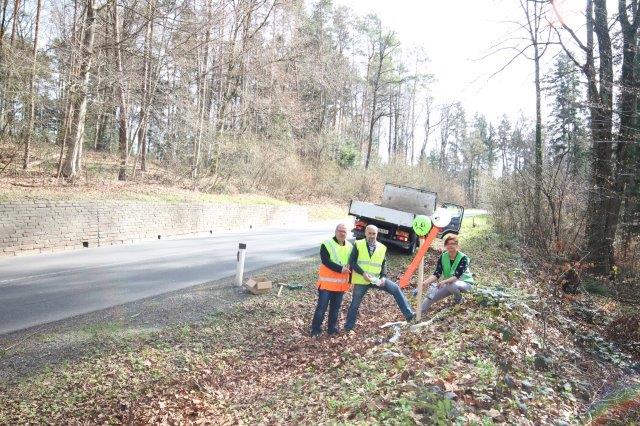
{"x":337,"y":253}
{"x":370,"y":264}
{"x":448,"y":269}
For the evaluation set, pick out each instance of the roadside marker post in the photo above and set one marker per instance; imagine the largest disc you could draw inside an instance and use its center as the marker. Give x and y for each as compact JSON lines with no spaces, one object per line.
{"x":420,"y":280}
{"x":242,"y":251}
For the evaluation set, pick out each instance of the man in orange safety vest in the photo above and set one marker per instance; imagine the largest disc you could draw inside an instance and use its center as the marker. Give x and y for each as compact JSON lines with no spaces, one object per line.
{"x":333,"y":280}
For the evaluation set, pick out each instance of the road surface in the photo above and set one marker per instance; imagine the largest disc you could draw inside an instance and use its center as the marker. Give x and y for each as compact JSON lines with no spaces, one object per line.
{"x":42,"y":288}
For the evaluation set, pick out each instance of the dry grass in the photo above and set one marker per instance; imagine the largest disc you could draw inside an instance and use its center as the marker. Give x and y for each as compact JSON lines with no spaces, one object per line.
{"x":251,"y":171}
{"x":98,"y":181}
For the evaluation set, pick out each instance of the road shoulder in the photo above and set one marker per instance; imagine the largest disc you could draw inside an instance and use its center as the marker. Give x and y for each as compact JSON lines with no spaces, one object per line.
{"x":26,"y":353}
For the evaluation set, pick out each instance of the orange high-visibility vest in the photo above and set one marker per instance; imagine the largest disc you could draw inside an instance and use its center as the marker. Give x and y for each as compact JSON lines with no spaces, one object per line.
{"x":328,"y":279}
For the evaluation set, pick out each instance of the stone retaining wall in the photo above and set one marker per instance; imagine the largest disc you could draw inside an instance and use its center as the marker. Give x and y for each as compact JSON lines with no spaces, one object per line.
{"x":28,"y":227}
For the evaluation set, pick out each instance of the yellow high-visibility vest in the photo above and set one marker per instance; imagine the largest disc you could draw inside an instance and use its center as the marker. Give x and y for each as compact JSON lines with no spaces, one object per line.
{"x":370,"y":264}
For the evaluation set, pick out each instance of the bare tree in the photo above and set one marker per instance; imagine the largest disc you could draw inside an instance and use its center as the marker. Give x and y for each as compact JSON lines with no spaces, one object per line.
{"x":600,"y":98}
{"x":32,"y":94}
{"x":382,"y":43}
{"x":78,"y":97}
{"x":123,"y":141}
{"x":146,"y":96}
{"x":629,"y":19}
{"x":534,"y":12}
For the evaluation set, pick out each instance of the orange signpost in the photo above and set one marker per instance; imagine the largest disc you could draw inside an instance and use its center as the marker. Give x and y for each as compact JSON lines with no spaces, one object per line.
{"x":424,"y":246}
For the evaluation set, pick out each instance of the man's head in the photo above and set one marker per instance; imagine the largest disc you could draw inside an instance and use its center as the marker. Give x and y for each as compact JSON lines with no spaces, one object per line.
{"x":371,"y":233}
{"x":451,"y":243}
{"x":341,"y":233}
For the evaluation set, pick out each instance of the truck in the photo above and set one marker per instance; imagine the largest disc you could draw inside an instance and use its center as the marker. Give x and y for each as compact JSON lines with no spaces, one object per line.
{"x":395,"y":213}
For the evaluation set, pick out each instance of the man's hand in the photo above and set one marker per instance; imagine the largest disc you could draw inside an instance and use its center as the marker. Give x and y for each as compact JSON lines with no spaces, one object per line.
{"x":367,"y":276}
{"x":346,"y":269}
{"x":378,"y":282}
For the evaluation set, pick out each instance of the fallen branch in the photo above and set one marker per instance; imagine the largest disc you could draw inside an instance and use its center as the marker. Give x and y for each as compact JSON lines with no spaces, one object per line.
{"x":25,"y":185}
{"x":396,"y":335}
{"x":8,"y":348}
{"x":393,"y":324}
{"x":416,"y":327}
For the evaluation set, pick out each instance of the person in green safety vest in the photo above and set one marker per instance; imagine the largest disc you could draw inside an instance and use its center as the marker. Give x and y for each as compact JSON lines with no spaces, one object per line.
{"x":368,"y":268}
{"x":453,"y":272}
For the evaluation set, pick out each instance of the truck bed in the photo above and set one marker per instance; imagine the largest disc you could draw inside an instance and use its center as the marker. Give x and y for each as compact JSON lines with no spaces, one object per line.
{"x":413,"y":200}
{"x":381,"y":213}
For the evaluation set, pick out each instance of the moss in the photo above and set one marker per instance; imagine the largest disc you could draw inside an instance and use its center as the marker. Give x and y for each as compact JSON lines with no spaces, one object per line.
{"x":594,"y":285}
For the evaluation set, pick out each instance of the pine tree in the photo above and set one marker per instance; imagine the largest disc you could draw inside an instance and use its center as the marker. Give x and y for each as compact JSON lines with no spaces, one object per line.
{"x":504,"y":131}
{"x":566,"y":126}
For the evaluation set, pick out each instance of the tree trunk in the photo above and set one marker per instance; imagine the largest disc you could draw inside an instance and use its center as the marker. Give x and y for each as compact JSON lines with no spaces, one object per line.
{"x":79,"y":109}
{"x":627,"y":133}
{"x":3,"y":22}
{"x":7,"y":107}
{"x":202,"y":102}
{"x":631,"y":213}
{"x":413,"y":115}
{"x":390,"y":147}
{"x":146,"y":95}
{"x":32,"y":95}
{"x":444,"y":135}
{"x":599,"y":243}
{"x":14,"y":23}
{"x":538,"y":144}
{"x":373,"y":118}
{"x":396,"y":115}
{"x":99,"y":134}
{"x":427,"y":132}
{"x":123,"y":142}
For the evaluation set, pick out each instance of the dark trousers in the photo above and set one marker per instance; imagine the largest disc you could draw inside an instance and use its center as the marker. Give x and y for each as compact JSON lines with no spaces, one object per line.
{"x":359,"y":290}
{"x":333,"y":300}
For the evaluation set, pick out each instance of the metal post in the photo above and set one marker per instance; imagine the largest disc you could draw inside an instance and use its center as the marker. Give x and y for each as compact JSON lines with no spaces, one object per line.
{"x":420,"y":289}
{"x":242,"y":251}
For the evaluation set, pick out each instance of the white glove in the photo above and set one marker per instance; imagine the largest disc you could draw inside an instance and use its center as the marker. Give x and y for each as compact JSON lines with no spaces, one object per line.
{"x":378,"y":281}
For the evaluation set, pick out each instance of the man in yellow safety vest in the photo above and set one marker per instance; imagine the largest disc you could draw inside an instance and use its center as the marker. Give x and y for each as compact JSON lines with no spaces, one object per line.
{"x":367,"y":262}
{"x":333,"y":280}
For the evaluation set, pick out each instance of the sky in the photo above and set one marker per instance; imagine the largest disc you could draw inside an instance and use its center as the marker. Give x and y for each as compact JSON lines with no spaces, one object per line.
{"x":459,"y":38}
{"x":462,"y":40}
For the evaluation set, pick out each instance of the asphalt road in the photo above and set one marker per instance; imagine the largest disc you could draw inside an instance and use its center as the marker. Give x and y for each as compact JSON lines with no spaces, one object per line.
{"x":42,"y":288}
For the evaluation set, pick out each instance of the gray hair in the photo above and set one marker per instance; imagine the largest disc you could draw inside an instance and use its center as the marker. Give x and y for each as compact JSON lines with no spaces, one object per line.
{"x":372,"y":227}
